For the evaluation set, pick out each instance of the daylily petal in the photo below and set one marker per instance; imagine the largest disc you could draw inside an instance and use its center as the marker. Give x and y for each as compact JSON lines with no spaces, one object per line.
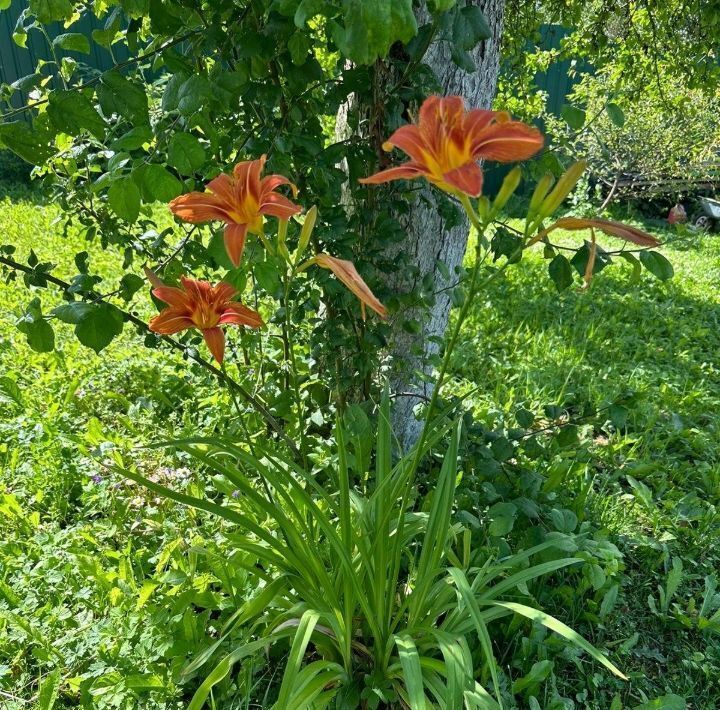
{"x":247,"y":179}
{"x":198,"y":291}
{"x":153,"y":278}
{"x":173,"y":296}
{"x":215,"y":339}
{"x":223,"y":293}
{"x":408,"y":171}
{"x":507,"y":141}
{"x":234,"y":238}
{"x":237,"y":314}
{"x":440,"y":119}
{"x":223,"y":187}
{"x":277,"y":205}
{"x":271,"y":182}
{"x":198,"y":207}
{"x":477,"y":120}
{"x":169,"y":321}
{"x":447,"y":142}
{"x":467,"y":178}
{"x":347,"y":273}
{"x":409,"y":140}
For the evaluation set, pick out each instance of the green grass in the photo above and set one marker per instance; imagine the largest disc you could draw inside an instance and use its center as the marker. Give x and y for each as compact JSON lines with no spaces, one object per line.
{"x":106,"y":583}
{"x":654,"y":347}
{"x":97,"y":577}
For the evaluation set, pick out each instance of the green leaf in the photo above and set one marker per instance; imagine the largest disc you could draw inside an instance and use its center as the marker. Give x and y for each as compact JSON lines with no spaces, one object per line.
{"x":561,"y":272}
{"x":72,"y":312}
{"x":267,"y":276}
{"x":48,"y":11}
{"x":130,"y":284}
{"x":508,"y":244}
{"x":71,"y":112}
{"x":524,"y":418}
{"x":10,"y":392}
{"x":636,"y":265}
{"x":73,"y":42}
{"x":305,"y":628}
{"x":502,"y":516}
{"x":371,"y":27}
{"x":124,"y":199}
{"x":307,"y":9}
{"x":193,"y":94}
{"x":563,"y":630}
{"x":121,"y":96}
{"x":299,"y":46}
{"x":412,"y":671}
{"x":564,"y":520}
{"x":441,"y":5}
{"x":185,"y":153}
{"x":49,"y":689}
{"x":462,"y":59}
{"x":99,"y":325}
{"x":657,"y":265}
{"x":615,"y":114}
{"x":156,"y":183}
{"x":469,"y":28}
{"x":39,"y":333}
{"x":538,"y":673}
{"x":132,"y":140}
{"x":22,"y":140}
{"x":573,"y":116}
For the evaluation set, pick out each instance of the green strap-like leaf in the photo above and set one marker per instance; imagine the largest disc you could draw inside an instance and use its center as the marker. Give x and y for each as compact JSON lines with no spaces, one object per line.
{"x":412,"y":672}
{"x":565,"y":631}
{"x":302,"y":637}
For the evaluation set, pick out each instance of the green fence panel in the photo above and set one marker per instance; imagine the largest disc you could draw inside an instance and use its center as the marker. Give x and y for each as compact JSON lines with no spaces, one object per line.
{"x":18,"y":62}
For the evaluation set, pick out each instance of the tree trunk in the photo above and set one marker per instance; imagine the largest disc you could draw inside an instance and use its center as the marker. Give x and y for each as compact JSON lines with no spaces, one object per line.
{"x":428,"y":242}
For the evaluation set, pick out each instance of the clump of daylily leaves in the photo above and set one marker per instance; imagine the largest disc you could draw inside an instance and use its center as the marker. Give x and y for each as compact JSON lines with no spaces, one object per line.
{"x":389,"y":599}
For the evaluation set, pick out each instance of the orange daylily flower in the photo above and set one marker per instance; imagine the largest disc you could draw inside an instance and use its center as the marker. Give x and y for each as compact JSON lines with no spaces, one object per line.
{"x":241,"y":200}
{"x":447,"y":142}
{"x":347,"y":273}
{"x":199,"y":304}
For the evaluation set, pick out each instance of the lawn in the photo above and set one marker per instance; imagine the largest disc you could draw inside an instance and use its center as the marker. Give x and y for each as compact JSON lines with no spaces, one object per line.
{"x":116,"y":589}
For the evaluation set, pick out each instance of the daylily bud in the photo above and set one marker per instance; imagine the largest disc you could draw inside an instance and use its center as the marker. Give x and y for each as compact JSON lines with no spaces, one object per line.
{"x":306,"y":231}
{"x":282,"y":239}
{"x":541,"y":190}
{"x":483,"y":208}
{"x":564,"y":186}
{"x":507,"y":189}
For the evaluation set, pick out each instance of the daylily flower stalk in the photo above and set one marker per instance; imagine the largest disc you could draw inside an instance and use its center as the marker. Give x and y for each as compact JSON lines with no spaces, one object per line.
{"x":448,"y":141}
{"x":241,"y":200}
{"x":199,"y":304}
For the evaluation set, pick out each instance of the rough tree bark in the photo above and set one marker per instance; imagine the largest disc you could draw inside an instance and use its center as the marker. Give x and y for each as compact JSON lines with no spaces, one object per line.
{"x":427,"y":241}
